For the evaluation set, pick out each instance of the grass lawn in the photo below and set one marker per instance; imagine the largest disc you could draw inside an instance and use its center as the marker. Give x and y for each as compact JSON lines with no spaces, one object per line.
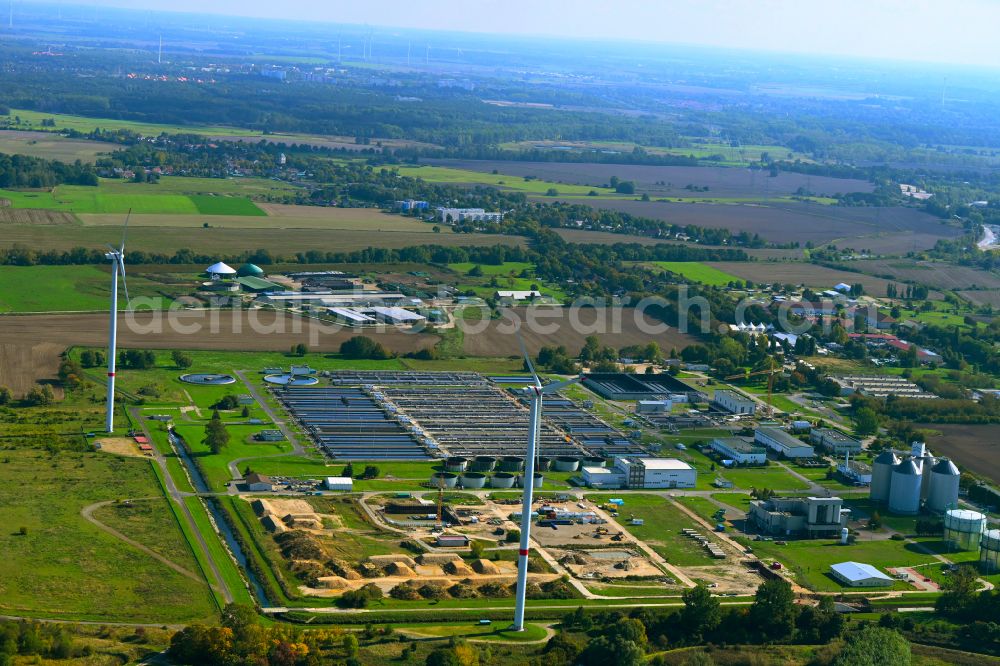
{"x":810,"y":559}
{"x":65,"y":566}
{"x":772,"y":476}
{"x":663,"y":522}
{"x":697,"y":272}
{"x":213,"y":465}
{"x":506,"y":268}
{"x":701,"y":506}
{"x":476,"y":631}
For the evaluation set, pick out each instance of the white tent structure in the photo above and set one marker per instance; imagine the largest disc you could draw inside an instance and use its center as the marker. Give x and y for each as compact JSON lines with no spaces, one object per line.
{"x":219,"y":270}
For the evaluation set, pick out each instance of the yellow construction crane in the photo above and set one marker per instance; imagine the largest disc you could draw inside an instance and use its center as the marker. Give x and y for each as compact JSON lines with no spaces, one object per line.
{"x":770,"y":372}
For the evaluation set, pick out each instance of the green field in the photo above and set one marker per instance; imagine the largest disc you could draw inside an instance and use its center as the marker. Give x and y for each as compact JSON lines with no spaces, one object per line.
{"x":63,"y":566}
{"x":117,"y":198}
{"x":33,"y":120}
{"x":65,"y":288}
{"x":697,"y":272}
{"x":51,"y":146}
{"x":434,"y":174}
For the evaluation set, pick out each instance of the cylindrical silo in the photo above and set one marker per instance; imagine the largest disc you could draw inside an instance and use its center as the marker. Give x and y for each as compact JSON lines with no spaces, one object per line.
{"x":473,"y":480}
{"x":542,"y":463}
{"x":882,"y":476}
{"x":539,"y":479}
{"x":989,"y":552}
{"x":502,"y":480}
{"x":963,"y":529}
{"x":925,"y":464}
{"x":943,"y":493}
{"x":511,"y":464}
{"x":483,"y":463}
{"x":566,"y":464}
{"x":594,"y":461}
{"x":456,"y":464}
{"x":445,"y":479}
{"x":904,"y":493}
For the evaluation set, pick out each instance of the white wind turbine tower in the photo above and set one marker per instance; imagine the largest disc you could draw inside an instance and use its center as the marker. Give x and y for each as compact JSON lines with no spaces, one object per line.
{"x":534,"y":393}
{"x":117,"y":258}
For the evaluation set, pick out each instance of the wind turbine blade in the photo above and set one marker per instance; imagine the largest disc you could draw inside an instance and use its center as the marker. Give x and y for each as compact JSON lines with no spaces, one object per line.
{"x":125,"y":231}
{"x":527,"y":359}
{"x":558,"y":386}
{"x":121,"y":267}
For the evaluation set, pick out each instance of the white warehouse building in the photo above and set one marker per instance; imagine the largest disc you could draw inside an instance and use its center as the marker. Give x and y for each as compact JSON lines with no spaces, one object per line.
{"x":634,"y":472}
{"x":733,"y":402}
{"x":781,"y":442}
{"x":740,"y":450}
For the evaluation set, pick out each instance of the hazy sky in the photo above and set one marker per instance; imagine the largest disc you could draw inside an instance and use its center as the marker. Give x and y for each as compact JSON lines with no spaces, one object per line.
{"x":962,"y":31}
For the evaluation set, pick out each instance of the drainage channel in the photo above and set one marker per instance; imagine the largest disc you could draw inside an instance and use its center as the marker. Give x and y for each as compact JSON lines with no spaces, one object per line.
{"x":221,"y":524}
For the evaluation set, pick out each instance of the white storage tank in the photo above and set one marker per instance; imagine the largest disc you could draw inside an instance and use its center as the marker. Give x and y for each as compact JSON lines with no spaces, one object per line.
{"x":502,"y":480}
{"x":963,"y":529}
{"x":943,"y":493}
{"x":882,"y":476}
{"x":473,"y":480}
{"x":904,"y":493}
{"x":444,"y":479}
{"x":989,"y":552}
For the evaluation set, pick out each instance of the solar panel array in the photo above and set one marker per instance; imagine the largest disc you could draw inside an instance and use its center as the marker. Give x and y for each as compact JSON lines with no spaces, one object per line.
{"x":350,"y":425}
{"x":595,"y":435}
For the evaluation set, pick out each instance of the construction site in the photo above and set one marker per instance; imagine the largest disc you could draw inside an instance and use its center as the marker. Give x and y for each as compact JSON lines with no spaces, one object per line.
{"x":464,"y":545}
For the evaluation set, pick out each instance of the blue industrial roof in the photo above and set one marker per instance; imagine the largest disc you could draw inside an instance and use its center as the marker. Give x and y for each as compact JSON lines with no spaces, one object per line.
{"x":855,"y":571}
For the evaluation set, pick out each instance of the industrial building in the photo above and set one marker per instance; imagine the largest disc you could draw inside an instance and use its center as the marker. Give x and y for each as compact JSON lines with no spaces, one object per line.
{"x":654,"y":406}
{"x":783,"y":443}
{"x":904,"y":483}
{"x":258,"y":483}
{"x":637,"y":472}
{"x":834,"y":441}
{"x":396,"y":315}
{"x":881,"y":386}
{"x":855,"y":471}
{"x":624,"y":386}
{"x":858,"y":574}
{"x":741,"y":450}
{"x":456,"y":215}
{"x":733,"y":402}
{"x":514,"y":295}
{"x":799,"y":516}
{"x":329,"y":299}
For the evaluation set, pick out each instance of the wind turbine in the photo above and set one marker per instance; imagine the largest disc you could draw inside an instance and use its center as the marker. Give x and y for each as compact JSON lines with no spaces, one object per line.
{"x":117,"y":258}
{"x":534,"y":393}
